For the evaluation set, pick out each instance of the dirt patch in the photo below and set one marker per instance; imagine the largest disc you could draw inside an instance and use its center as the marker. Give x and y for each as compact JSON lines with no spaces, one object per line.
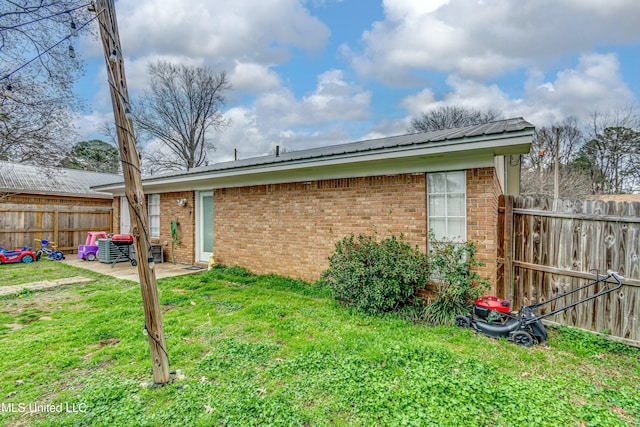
{"x":103,"y":343}
{"x":108,"y":341}
{"x":168,"y":307}
{"x":47,"y":302}
{"x":44,"y":285}
{"x":235,"y":284}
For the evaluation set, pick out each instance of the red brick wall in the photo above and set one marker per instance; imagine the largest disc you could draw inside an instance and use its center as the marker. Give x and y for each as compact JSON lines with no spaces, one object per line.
{"x":291,"y":229}
{"x":483,"y":189}
{"x":184,"y":252}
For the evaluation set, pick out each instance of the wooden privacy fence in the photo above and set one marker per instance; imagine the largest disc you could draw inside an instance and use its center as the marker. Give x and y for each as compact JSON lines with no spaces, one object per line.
{"x":548,"y":247}
{"x":67,"y":226}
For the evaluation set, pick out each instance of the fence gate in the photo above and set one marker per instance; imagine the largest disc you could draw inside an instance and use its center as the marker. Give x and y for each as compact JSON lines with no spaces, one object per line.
{"x":547,"y":247}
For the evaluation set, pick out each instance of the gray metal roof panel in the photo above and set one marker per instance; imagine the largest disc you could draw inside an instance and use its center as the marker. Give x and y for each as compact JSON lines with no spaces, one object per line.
{"x":455,"y":135}
{"x":32,"y":179}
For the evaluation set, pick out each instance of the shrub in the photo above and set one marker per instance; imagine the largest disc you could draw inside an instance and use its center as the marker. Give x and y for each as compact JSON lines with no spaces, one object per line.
{"x":375,"y":277}
{"x":457,"y":284}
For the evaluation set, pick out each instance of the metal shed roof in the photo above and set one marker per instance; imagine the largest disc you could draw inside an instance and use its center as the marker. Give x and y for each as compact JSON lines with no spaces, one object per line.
{"x":20,"y":178}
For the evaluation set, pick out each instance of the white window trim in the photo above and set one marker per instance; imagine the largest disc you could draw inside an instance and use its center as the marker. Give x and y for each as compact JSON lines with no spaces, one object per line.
{"x":154,"y":200}
{"x":456,"y":239}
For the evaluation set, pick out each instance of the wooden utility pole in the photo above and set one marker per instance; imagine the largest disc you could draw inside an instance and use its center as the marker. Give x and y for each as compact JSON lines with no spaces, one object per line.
{"x":556,"y":167}
{"x":105,"y":10}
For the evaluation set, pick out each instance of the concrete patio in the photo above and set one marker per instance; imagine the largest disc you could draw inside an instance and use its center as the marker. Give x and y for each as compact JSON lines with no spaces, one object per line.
{"x":124,"y":270}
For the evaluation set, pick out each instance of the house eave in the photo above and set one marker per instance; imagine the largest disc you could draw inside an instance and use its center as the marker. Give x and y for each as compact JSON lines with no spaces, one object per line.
{"x":415,"y":158}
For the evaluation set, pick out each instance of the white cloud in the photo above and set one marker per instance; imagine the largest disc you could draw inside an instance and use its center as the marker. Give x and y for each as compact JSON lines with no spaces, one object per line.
{"x":415,"y":104}
{"x":89,"y":125}
{"x":277,"y":117}
{"x":467,"y":44}
{"x":335,"y":100}
{"x":253,"y":78}
{"x":484,"y":39}
{"x":259,"y":31}
{"x":594,"y":84}
{"x":252,"y":136}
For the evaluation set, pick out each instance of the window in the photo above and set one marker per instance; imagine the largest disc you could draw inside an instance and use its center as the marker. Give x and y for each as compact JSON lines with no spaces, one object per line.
{"x":154,"y":215}
{"x":446,"y":195}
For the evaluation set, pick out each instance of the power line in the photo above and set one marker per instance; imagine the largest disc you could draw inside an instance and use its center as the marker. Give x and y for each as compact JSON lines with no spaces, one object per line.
{"x":44,"y":52}
{"x":2,"y":29}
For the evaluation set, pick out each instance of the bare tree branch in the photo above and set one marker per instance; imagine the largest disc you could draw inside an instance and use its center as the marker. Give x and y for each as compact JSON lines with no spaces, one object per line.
{"x":35,"y":121}
{"x":181,"y":109}
{"x":449,"y":117}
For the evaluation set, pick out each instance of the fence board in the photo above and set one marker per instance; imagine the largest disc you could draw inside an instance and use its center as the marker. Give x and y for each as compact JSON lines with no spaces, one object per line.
{"x":559,"y":245}
{"x":21,"y":225}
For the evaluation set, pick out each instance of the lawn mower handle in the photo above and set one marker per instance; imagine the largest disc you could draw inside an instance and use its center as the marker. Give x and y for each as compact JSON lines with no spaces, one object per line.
{"x":610,"y":274}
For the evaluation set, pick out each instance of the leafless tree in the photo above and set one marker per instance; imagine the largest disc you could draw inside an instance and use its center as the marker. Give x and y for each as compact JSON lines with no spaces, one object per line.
{"x":182,"y":109}
{"x":37,"y":77}
{"x":448,"y":117}
{"x":156,"y":158}
{"x":572,"y":185}
{"x":539,"y":163}
{"x":626,"y":117}
{"x":611,"y":155}
{"x":602,"y":158}
{"x":611,"y":159}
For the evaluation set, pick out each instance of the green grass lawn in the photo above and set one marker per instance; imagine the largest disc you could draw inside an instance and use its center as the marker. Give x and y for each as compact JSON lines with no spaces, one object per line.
{"x":264,"y":350}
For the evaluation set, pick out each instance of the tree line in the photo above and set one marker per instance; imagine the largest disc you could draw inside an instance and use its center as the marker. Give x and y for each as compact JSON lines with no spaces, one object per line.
{"x":598,"y":156}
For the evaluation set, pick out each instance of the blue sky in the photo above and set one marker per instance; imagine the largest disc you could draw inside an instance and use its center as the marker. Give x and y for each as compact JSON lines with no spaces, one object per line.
{"x":307,"y":73}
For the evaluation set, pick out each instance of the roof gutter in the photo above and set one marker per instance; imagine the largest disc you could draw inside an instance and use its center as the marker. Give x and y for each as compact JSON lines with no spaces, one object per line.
{"x":515,"y":142}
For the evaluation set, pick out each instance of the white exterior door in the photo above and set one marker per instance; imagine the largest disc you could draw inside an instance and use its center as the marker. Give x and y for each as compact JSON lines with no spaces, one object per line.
{"x":204,"y":226}
{"x":125,"y":218}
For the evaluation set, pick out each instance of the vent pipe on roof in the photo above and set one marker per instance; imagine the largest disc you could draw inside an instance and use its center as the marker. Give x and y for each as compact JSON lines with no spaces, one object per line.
{"x":277,"y":151}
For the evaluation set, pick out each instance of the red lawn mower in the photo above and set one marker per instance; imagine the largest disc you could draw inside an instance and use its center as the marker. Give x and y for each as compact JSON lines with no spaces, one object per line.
{"x":493,"y":317}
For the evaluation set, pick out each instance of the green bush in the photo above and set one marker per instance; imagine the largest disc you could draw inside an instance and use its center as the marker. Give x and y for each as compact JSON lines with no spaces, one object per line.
{"x":375,"y":277}
{"x":457,"y":283}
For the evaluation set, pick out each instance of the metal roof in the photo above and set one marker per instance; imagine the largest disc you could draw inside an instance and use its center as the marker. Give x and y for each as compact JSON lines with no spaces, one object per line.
{"x":20,"y":178}
{"x":458,"y":135}
{"x":491,"y":134}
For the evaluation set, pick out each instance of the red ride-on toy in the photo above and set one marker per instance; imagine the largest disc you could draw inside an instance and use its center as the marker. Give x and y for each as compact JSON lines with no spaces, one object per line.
{"x":89,"y":251}
{"x":25,"y":255}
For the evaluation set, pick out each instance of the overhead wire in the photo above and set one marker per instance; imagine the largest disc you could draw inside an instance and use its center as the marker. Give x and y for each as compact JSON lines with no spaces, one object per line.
{"x":41,"y":54}
{"x":2,"y":29}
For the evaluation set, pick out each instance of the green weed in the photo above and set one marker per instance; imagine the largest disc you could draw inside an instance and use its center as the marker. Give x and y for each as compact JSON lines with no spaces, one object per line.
{"x":264,"y":350}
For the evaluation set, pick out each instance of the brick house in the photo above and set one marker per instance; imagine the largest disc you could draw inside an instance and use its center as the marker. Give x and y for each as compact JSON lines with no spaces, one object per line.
{"x":283,"y":214}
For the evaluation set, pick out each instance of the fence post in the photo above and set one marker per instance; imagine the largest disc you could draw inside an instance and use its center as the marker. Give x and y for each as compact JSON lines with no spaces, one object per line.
{"x":56,"y":228}
{"x":508,"y":247}
{"x":500,"y":248}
